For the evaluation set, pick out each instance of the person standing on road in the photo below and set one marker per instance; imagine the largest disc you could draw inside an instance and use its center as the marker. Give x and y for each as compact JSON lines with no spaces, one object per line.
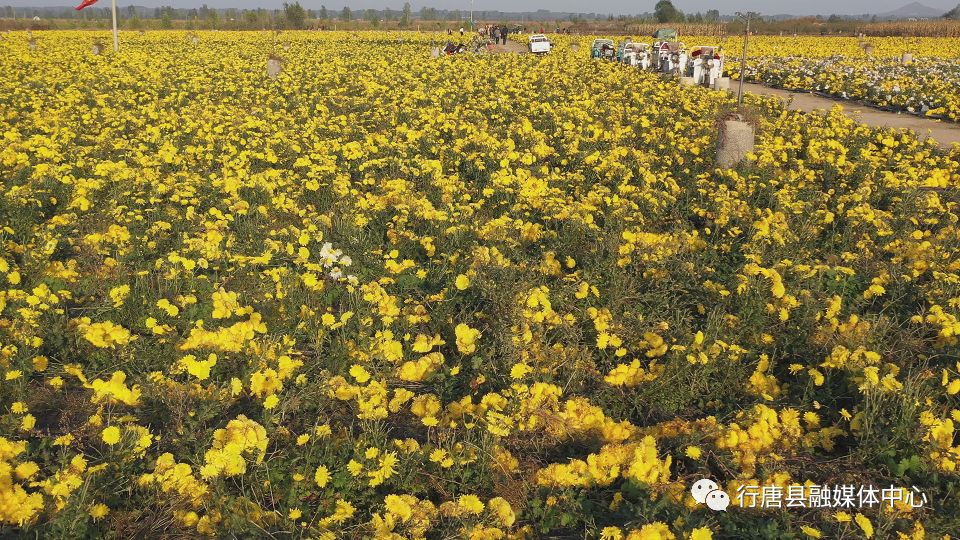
{"x":496,"y":35}
{"x":503,"y":34}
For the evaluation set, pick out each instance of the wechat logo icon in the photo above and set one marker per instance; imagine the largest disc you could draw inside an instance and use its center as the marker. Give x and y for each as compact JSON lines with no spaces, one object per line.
{"x":707,"y":492}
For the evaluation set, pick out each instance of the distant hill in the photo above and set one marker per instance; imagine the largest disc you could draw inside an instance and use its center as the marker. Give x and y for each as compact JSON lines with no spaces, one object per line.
{"x":913,"y":10}
{"x":953,"y":13}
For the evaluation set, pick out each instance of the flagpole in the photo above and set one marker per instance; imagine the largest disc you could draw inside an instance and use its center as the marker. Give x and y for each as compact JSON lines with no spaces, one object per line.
{"x":116,"y":41}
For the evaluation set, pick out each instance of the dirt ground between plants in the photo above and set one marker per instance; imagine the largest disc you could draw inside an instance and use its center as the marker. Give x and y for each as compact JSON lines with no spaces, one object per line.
{"x":945,"y":133}
{"x":510,"y":47}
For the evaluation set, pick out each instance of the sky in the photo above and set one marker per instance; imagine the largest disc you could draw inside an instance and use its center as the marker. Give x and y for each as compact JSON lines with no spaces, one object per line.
{"x":768,"y":7}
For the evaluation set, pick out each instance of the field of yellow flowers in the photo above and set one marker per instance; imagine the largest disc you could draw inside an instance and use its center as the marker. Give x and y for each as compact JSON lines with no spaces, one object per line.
{"x":871,"y":70}
{"x":485,"y":296}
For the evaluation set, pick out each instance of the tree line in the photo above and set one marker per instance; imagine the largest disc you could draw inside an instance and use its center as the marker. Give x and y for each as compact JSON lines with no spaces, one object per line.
{"x":295,"y":16}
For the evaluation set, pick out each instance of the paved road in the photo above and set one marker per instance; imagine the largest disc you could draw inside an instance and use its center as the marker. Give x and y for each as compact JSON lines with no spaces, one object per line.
{"x":945,"y":133}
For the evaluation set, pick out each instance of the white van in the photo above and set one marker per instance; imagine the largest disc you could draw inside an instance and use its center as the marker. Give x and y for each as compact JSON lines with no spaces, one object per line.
{"x":539,"y":44}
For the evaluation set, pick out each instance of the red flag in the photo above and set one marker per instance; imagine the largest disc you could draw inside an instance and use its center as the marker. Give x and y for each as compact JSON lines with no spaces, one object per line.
{"x":85,"y":3}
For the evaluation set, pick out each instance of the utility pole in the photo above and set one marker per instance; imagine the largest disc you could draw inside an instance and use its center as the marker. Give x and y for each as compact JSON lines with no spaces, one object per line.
{"x":471,"y":14}
{"x":116,"y":40}
{"x":743,"y":58}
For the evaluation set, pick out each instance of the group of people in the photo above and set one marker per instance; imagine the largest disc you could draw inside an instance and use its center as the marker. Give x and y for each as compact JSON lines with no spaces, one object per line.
{"x":498,"y":33}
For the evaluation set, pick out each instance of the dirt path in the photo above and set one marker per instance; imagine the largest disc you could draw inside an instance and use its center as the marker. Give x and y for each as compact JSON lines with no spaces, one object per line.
{"x":510,"y":47}
{"x":945,"y":133}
